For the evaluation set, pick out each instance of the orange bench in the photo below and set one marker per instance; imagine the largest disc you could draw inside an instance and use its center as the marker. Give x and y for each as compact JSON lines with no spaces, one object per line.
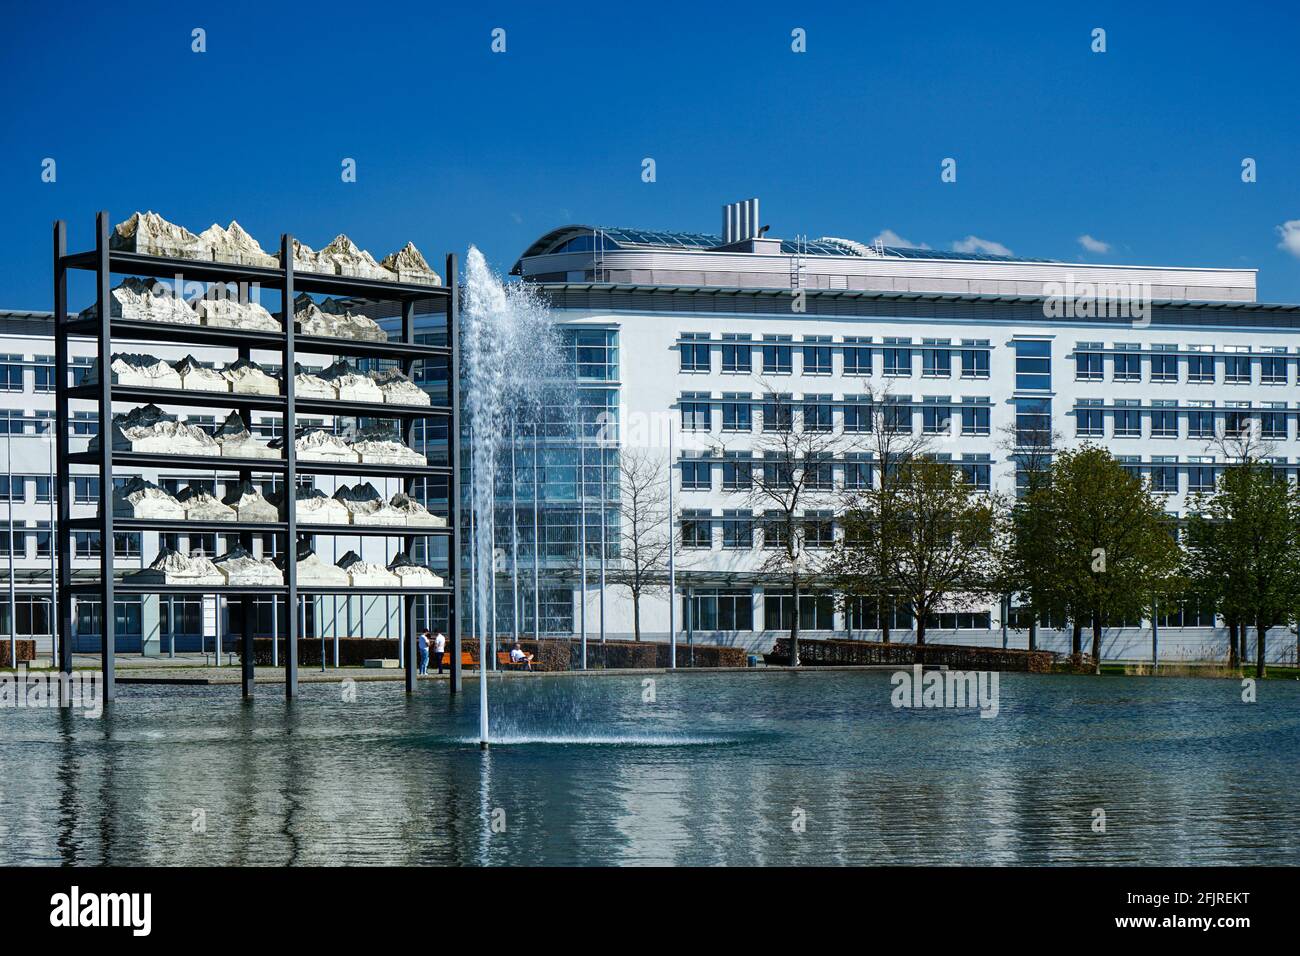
{"x":466,"y":659}
{"x":503,"y":660}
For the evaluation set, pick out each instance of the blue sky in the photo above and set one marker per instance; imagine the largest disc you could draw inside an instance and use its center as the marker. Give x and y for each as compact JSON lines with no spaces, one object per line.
{"x":1139,"y":147}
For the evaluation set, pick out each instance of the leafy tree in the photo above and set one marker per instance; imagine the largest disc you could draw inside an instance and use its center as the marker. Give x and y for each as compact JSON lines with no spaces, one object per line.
{"x":1243,"y":548}
{"x":1116,"y":545}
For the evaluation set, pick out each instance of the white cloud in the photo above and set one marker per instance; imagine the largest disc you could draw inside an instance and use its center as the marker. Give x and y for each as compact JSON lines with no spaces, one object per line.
{"x":890,"y":238}
{"x":976,"y":244}
{"x":1290,"y":233}
{"x":1093,"y":245}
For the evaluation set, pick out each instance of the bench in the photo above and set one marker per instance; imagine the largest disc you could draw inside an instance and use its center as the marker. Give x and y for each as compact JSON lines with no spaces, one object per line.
{"x":209,"y":655}
{"x":466,"y":659}
{"x":503,"y":660}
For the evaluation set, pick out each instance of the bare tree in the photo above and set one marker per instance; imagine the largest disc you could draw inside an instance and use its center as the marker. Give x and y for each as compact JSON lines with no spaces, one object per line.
{"x":793,"y":476}
{"x":645,"y":538}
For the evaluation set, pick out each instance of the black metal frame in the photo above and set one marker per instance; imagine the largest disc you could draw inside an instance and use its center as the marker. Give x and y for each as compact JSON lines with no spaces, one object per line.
{"x":105,"y":262}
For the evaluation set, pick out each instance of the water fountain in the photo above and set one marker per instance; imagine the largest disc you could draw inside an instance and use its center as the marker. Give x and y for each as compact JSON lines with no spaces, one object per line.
{"x":511,"y":353}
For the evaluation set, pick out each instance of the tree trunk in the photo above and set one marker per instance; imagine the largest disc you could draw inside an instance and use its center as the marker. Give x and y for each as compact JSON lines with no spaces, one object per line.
{"x":1096,"y":642}
{"x":1261,"y":630}
{"x":1234,"y":656}
{"x":884,"y":621}
{"x":1076,"y":638}
{"x":636,"y":615}
{"x":794,"y":622}
{"x":920,"y":632}
{"x":1033,"y":632}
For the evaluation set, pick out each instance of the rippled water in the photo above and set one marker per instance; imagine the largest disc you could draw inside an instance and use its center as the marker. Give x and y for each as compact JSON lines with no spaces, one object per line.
{"x":709,"y":773}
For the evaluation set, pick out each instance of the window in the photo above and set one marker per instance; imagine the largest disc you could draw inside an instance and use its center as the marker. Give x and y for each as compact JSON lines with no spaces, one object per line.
{"x":776,"y":533}
{"x":85,"y":423}
{"x":14,"y":490}
{"x":44,"y":381}
{"x":777,"y":358}
{"x":959,"y":621}
{"x":737,"y":353}
{"x":898,"y":357}
{"x":975,"y":416}
{"x":976,"y":469}
{"x":696,"y":352}
{"x":1033,"y":422}
{"x":975,"y":358}
{"x":936,"y":361}
{"x":1236,"y":369}
{"x":857,"y":471}
{"x":737,"y":412}
{"x":1164,"y":367}
{"x":1033,"y":364}
{"x":818,"y":529}
{"x":1237,"y":420}
{"x":697,"y":528}
{"x":816,"y":357}
{"x":778,"y":414}
{"x":42,"y":489}
{"x":936,"y":415}
{"x":857,"y":357}
{"x":1272,"y":421}
{"x":1200,"y":423}
{"x":85,"y":489}
{"x":1127,"y":362}
{"x":1089,"y":418}
{"x":697,"y":474}
{"x":817,"y":413}
{"x":857,"y":413}
{"x":816,"y":611}
{"x":737,"y":471}
{"x":1272,"y":370}
{"x":737,"y":530}
{"x":1200,"y":368}
{"x":778,"y":473}
{"x":719,"y":609}
{"x":696,"y":411}
{"x":1164,"y":475}
{"x":595,"y":354}
{"x":1089,"y":366}
{"x":1186,"y":613}
{"x":1164,"y":419}
{"x":818,"y":472}
{"x":1200,"y":478}
{"x":896,"y":414}
{"x":1128,"y":418}
{"x":11,"y":373}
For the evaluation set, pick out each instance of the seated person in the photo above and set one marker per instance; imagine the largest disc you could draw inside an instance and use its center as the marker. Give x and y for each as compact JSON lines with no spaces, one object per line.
{"x":519,"y":656}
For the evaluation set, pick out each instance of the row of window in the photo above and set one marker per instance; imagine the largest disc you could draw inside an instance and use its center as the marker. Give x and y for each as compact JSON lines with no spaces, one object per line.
{"x":738,"y":469}
{"x":817,"y":355}
{"x":1165,"y":421}
{"x":823,"y":413}
{"x":1167,"y":364}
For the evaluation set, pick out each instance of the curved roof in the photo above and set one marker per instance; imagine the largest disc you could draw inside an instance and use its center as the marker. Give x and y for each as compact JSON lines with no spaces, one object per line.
{"x":619,"y":237}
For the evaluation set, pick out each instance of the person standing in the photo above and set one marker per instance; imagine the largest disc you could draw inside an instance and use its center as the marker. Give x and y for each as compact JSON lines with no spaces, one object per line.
{"x":439,"y":645}
{"x":424,"y":652}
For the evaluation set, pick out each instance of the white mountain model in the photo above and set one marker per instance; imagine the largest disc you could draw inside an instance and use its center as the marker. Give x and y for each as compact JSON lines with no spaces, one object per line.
{"x":233,"y":244}
{"x":313,"y":506}
{"x":311,"y":570}
{"x":148,"y":430}
{"x":349,"y":260}
{"x":150,"y":234}
{"x":305,"y":259}
{"x":237,"y":441}
{"x":133,"y":368}
{"x":249,"y":378}
{"x":143,"y":300}
{"x":139,"y":498}
{"x":239,"y":567}
{"x":398,"y":389}
{"x":197,"y":377}
{"x":173,"y":568}
{"x":365,"y":505}
{"x":376,"y":445}
{"x":409,"y":266}
{"x":350,"y":384}
{"x":367,"y":574}
{"x":309,"y":384}
{"x":415,"y":513}
{"x":230,"y":312}
{"x":201,"y":505}
{"x":413,"y":575}
{"x":249,"y":504}
{"x":318,"y":445}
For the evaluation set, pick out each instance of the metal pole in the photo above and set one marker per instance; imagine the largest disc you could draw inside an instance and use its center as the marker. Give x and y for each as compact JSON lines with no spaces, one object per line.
{"x":537,"y":544}
{"x":582,"y":535}
{"x":601,"y":451}
{"x":473,"y":555}
{"x":672,"y":562}
{"x":171,"y":626}
{"x":1155,"y":635}
{"x":54,"y":561}
{"x":514,"y":538}
{"x":13,"y":598}
{"x":275,"y":630}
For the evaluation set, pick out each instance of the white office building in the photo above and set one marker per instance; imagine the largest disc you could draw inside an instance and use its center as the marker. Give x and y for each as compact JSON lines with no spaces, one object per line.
{"x":708,"y":326}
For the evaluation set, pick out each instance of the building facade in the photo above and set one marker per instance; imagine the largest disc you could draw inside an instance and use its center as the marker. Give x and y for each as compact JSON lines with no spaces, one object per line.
{"x":713,"y":337}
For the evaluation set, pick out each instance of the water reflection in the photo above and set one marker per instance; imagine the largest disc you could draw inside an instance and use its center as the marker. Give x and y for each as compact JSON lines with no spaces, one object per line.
{"x":713,"y":772}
